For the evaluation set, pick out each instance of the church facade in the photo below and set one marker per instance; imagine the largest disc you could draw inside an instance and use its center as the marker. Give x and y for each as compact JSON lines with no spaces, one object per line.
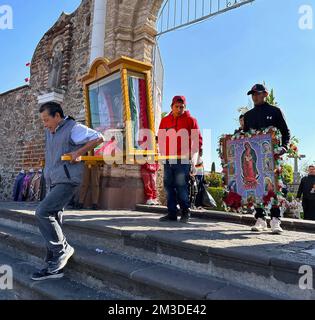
{"x":97,"y":28}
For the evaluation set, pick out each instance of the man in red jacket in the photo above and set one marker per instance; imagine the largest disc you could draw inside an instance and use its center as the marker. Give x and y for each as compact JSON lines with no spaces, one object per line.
{"x":179,"y":140}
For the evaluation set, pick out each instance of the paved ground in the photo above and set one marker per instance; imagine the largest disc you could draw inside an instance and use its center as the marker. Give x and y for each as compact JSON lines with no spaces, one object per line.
{"x":292,"y":246}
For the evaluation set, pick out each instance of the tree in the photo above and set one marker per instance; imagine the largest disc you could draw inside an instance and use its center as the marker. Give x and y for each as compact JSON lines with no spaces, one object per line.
{"x":213,"y":167}
{"x":164,"y":114}
{"x":287,"y":173}
{"x":214,"y":179}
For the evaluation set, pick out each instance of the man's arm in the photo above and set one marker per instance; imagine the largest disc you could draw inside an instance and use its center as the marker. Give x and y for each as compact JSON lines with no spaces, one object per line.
{"x":301,"y":187}
{"x":86,"y":148}
{"x":197,"y":145}
{"x":283,"y":127}
{"x":89,"y":138}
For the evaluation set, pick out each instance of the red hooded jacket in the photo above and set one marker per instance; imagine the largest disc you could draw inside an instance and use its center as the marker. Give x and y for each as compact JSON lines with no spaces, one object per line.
{"x":189,"y":141}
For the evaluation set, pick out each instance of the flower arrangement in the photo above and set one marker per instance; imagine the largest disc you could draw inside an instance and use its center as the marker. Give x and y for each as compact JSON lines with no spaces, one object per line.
{"x":232,"y":201}
{"x":293,"y":151}
{"x":293,"y":209}
{"x":273,"y":199}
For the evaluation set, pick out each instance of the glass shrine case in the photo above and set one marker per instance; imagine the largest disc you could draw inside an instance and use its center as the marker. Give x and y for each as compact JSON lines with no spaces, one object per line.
{"x":118,"y":103}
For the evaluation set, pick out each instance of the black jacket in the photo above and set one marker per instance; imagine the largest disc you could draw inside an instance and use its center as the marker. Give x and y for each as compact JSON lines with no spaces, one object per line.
{"x":306,"y":185}
{"x":264,"y":116}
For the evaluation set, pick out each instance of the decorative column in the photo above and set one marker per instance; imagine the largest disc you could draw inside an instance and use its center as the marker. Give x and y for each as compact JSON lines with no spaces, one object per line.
{"x":98,"y":30}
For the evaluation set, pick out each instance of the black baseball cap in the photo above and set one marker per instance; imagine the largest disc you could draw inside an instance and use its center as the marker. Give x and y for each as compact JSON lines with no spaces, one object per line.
{"x":257,"y":88}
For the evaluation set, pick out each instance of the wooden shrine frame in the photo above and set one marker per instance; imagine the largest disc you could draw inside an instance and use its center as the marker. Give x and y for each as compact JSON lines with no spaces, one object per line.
{"x":103,"y":68}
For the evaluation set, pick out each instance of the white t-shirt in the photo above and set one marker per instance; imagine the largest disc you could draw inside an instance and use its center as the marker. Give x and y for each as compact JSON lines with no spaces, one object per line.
{"x":81,"y":134}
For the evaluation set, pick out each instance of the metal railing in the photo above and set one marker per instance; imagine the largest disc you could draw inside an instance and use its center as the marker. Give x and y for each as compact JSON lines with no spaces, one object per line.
{"x":177,"y":14}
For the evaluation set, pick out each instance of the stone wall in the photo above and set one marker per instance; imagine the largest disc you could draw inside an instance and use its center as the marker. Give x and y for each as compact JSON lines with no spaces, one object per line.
{"x":74,"y":32}
{"x":20,"y":125}
{"x":17,"y":123}
{"x":130,"y":31}
{"x":130,"y":28}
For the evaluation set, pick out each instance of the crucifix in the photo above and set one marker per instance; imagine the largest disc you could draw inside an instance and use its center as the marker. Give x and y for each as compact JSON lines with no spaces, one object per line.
{"x":296,"y":176}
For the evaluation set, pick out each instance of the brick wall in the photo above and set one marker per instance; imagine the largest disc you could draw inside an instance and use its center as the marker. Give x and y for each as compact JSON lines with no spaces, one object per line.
{"x":19,"y":138}
{"x":130,"y":30}
{"x":20,"y":125}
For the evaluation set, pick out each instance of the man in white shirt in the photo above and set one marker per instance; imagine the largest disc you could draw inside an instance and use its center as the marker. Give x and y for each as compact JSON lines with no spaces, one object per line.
{"x":63,"y":136}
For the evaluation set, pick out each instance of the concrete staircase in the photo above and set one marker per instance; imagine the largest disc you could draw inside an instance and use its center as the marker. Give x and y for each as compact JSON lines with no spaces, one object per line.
{"x":130,"y":255}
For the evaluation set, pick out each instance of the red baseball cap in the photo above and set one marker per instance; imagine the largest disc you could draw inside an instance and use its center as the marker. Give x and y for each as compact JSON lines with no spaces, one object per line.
{"x":179,"y":99}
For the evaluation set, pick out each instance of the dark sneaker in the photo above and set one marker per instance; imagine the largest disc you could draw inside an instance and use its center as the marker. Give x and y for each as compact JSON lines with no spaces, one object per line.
{"x":59,"y":263}
{"x":185,"y":216}
{"x":49,"y":255}
{"x":185,"y":219}
{"x":168,"y":218}
{"x":94,"y":207}
{"x":80,"y":206}
{"x":46,"y":275}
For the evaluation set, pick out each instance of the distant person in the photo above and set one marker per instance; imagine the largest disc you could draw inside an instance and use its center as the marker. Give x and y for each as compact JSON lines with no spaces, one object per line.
{"x":307,"y":192}
{"x":197,"y":175}
{"x":262,"y":116}
{"x":149,"y":177}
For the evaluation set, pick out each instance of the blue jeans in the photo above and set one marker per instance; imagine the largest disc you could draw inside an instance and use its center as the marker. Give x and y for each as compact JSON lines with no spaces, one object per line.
{"x":49,"y":217}
{"x":176,"y":184}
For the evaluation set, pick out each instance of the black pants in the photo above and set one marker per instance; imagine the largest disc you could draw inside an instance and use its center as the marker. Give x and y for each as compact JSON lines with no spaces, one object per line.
{"x":260,"y":213}
{"x":309,"y":209}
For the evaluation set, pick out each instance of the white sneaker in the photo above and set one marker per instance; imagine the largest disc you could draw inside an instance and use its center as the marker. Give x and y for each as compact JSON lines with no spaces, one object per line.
{"x":261,"y":225}
{"x":156,"y":202}
{"x":150,"y":202}
{"x":275,"y":226}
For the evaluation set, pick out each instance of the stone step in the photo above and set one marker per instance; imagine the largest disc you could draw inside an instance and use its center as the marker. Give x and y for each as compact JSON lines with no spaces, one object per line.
{"x":244,"y":219}
{"x":135,"y":278}
{"x":210,"y":248}
{"x":57,"y":289}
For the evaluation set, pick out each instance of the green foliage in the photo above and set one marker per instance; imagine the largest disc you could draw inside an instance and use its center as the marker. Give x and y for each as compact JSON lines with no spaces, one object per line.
{"x":271,"y":99}
{"x":290,"y":196}
{"x":293,"y":151}
{"x":217,"y":194}
{"x":214,"y":179}
{"x":164,"y":114}
{"x":287,"y":173}
{"x":294,"y":140}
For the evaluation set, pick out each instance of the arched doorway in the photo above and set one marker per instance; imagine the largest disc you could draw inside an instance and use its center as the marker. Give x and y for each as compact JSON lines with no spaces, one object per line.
{"x":132,"y":26}
{"x":132,"y":30}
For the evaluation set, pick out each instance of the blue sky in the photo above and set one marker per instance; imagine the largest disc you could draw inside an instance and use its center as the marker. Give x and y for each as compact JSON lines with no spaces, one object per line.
{"x":213,"y":63}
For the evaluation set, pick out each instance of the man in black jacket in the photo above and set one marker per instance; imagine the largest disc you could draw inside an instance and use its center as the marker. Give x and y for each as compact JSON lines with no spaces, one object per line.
{"x":307,"y":189}
{"x":262,"y":116}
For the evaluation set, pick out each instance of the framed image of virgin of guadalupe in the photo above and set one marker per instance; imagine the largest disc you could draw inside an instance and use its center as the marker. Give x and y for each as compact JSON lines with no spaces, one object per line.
{"x":118,"y":103}
{"x":106,"y":113}
{"x":249,"y":164}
